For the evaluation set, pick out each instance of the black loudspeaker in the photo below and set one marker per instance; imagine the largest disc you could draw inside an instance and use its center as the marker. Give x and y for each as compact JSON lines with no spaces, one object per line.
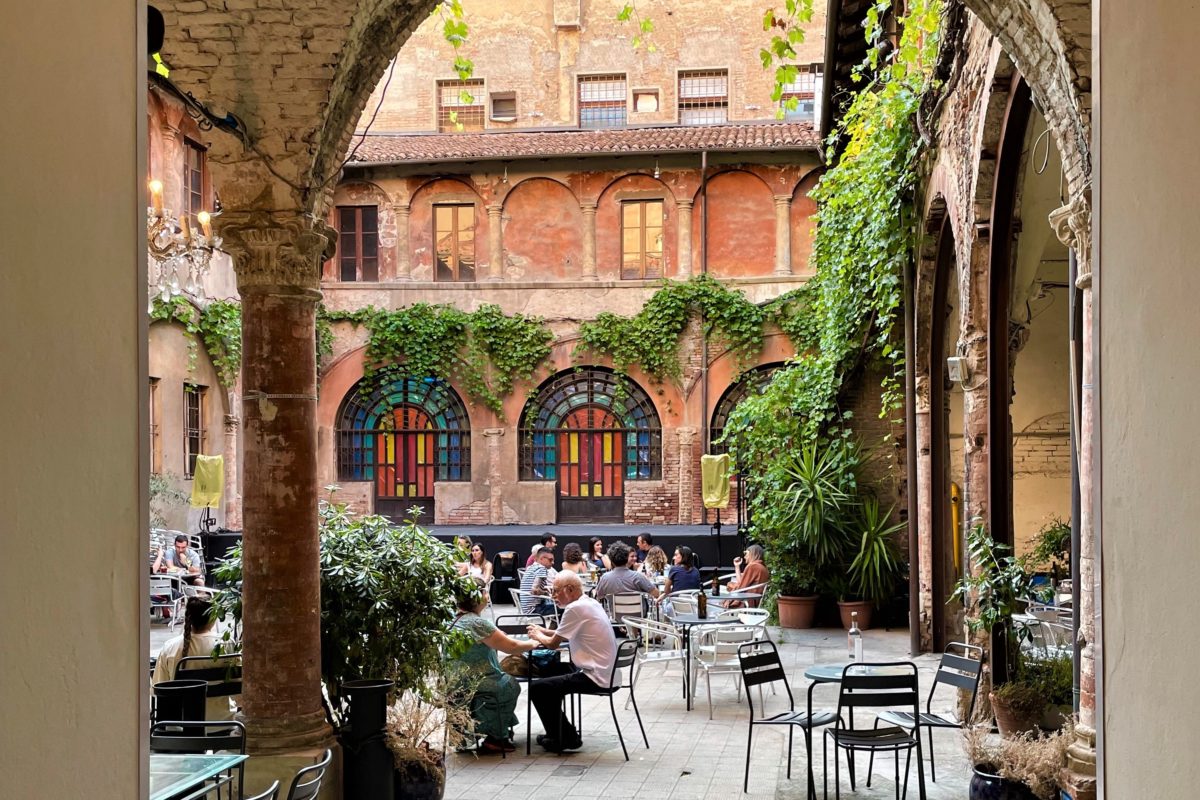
{"x":156,"y":30}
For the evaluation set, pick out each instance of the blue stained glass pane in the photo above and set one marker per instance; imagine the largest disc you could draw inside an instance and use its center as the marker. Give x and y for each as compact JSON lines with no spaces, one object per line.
{"x":643,"y":438}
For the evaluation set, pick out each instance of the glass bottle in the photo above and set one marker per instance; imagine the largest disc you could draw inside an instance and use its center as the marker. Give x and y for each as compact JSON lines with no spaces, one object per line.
{"x":716,"y":589}
{"x":854,"y":640}
{"x":702,"y":606}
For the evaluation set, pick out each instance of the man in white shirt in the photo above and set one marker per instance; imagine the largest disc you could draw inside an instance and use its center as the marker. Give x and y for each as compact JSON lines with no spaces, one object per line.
{"x":593,"y":652}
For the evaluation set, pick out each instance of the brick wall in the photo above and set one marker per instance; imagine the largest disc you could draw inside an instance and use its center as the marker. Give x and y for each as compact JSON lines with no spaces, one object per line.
{"x":1044,"y":447}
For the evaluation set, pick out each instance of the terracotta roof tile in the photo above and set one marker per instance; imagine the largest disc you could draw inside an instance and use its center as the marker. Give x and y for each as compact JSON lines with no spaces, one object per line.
{"x":429,"y":147}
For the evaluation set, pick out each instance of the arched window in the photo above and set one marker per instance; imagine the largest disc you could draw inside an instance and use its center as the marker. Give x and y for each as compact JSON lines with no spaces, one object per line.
{"x":403,"y":435}
{"x":751,"y":382}
{"x":590,"y":430}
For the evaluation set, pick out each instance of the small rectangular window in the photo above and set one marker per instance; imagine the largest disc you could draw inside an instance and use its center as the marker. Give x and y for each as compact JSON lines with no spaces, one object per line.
{"x":504,"y":106}
{"x":459,"y":106}
{"x":804,"y":91}
{"x":641,"y":239}
{"x":193,"y":178}
{"x":195,"y":437}
{"x":703,"y":96}
{"x":602,"y":101}
{"x":155,"y":433}
{"x":358,"y":243}
{"x":454,"y":242}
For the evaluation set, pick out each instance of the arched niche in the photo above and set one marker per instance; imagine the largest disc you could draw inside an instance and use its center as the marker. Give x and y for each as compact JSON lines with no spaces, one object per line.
{"x":543,"y":232}
{"x":741,"y":225}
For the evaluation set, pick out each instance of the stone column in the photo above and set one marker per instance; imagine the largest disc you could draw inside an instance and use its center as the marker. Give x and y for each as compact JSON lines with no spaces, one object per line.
{"x":589,"y":240}
{"x":277,"y":258}
{"x":924,"y":510}
{"x":684,"y":239}
{"x":495,"y":485}
{"x":783,"y":234}
{"x":233,"y":501}
{"x":1073,"y":225}
{"x":495,"y":243}
{"x":400,"y":212}
{"x":687,"y":436}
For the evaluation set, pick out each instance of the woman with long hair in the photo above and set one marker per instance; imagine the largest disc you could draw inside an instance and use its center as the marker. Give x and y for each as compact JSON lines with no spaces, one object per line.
{"x":596,"y":557}
{"x":199,"y":638}
{"x":684,"y":574}
{"x":656,"y":562}
{"x":573,"y":560}
{"x":478,"y":566}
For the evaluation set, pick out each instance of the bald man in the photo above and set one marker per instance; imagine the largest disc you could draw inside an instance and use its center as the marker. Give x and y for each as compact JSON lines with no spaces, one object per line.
{"x":593,"y":653}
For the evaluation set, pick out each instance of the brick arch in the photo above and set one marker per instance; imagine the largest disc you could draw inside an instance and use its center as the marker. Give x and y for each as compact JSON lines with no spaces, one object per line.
{"x":1050,"y":43}
{"x":543,"y":234}
{"x":802,"y":221}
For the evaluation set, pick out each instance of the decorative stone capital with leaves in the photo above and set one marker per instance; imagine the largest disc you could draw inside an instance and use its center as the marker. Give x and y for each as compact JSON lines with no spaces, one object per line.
{"x":276,"y":249}
{"x":1072,"y":225}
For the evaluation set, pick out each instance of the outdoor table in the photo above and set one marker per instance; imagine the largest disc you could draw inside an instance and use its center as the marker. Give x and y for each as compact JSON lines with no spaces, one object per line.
{"x":173,"y":775}
{"x":565,"y":647}
{"x":686,"y":622}
{"x":832,"y":673}
{"x":725,"y":597}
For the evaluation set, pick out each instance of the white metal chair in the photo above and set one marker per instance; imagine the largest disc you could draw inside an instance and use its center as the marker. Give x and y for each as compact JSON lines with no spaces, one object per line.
{"x":717,"y":653}
{"x":168,"y":592}
{"x":625,"y":604}
{"x":533,"y":601}
{"x":683,"y":602}
{"x":661,"y":644}
{"x":1048,"y":640}
{"x":747,"y":616}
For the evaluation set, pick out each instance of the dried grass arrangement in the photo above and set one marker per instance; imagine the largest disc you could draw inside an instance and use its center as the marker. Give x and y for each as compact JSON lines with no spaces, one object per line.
{"x":1031,"y":759}
{"x":423,"y":727}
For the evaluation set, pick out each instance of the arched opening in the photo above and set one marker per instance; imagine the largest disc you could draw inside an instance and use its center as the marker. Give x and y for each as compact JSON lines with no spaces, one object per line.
{"x":404,"y":435}
{"x":590,"y":430}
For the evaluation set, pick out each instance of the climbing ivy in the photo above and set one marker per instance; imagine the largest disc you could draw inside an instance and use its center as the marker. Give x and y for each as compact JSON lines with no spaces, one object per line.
{"x":864,"y":237}
{"x":651,"y":338}
{"x":484,"y":351}
{"x":218,"y":325}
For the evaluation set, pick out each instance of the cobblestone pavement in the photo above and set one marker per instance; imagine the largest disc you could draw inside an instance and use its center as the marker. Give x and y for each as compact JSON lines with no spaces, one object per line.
{"x":691,"y":757}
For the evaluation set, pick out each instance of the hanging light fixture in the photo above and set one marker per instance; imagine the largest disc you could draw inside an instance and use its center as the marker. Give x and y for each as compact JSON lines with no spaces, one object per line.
{"x":657,"y":171}
{"x":180,"y":256}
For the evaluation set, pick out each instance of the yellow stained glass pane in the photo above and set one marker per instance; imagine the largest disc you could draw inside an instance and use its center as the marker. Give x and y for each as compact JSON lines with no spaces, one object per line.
{"x":583,"y":490}
{"x":574,"y":449}
{"x":597,"y":490}
{"x":420,"y":449}
{"x":608,"y":448}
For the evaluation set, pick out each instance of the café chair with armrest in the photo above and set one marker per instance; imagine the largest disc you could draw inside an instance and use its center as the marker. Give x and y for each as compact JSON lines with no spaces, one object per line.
{"x":661,"y":644}
{"x":719,"y":653}
{"x":626,"y":657}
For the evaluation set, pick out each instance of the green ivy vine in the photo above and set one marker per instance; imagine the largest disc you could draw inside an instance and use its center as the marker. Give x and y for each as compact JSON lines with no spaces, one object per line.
{"x":484,"y":351}
{"x":218,"y":325}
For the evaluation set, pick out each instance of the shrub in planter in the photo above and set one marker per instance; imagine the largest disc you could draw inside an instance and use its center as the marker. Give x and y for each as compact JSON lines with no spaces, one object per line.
{"x":1018,"y":707}
{"x":875,"y":565}
{"x":1019,"y":768}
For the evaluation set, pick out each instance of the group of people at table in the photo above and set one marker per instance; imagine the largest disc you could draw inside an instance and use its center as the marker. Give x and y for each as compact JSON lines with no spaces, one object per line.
{"x":583,"y":623}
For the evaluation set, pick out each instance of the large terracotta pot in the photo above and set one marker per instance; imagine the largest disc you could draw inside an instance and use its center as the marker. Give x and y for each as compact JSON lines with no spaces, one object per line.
{"x":1011,"y":721}
{"x":986,"y":785}
{"x":796,"y":612}
{"x":864,"y":613}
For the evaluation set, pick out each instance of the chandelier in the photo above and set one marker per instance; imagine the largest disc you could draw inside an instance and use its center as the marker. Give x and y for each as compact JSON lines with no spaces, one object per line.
{"x":179,"y":255}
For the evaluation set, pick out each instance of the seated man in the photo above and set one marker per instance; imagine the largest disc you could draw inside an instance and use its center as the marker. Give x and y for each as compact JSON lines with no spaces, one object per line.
{"x":593,"y":653}
{"x":548,"y":540}
{"x":181,"y":560}
{"x":754,"y":574}
{"x":621,"y":578}
{"x":536,"y":584}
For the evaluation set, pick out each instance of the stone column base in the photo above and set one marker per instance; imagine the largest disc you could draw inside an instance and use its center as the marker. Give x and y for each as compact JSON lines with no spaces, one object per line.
{"x":283,"y":766}
{"x":300,"y":733}
{"x":1078,"y":780}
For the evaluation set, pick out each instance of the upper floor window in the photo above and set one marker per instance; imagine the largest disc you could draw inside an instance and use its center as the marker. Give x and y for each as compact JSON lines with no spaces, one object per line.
{"x":804,"y":91}
{"x":155,"y":438}
{"x":504,"y":106}
{"x":703,"y":96}
{"x":601,"y":101}
{"x":193,"y":178}
{"x":641,"y":239}
{"x":459,"y":106}
{"x":195,"y":435}
{"x":358,"y":243}
{"x":454,"y":242}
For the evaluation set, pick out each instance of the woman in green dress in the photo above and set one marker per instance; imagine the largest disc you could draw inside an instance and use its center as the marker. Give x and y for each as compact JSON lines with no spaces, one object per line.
{"x":495,"y":699}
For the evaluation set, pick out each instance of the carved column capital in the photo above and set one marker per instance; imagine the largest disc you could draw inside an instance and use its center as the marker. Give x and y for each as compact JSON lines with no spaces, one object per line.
{"x":784,"y":200}
{"x":588,"y":206}
{"x":685,"y":205}
{"x":1072,"y":225}
{"x":273,"y":249}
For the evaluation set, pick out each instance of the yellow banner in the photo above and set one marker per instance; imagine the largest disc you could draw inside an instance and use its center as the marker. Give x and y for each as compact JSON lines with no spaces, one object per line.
{"x":208,"y":481}
{"x":714,"y":481}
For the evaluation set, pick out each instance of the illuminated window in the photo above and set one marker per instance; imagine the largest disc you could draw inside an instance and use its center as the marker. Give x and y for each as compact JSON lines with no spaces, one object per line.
{"x":601,"y":101}
{"x":459,"y":106}
{"x":454,"y":242}
{"x":641,"y":239}
{"x":358,"y":243}
{"x":703,"y":96}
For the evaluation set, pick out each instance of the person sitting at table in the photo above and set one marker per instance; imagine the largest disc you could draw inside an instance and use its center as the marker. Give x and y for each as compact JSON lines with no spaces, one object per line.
{"x":644,"y":542}
{"x":621,"y":578}
{"x":593,"y":654}
{"x":597,"y":558}
{"x":200,"y":637}
{"x":754,"y":574}
{"x":478,"y":565}
{"x":684,"y":574}
{"x":573,"y":560}
{"x":535,"y":585}
{"x":655,"y":563}
{"x":494,"y":702}
{"x":548,"y":540}
{"x":181,"y":560}
{"x":462,"y":547}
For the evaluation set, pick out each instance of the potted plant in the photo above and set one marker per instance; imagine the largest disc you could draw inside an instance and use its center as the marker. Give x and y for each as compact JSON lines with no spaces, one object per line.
{"x":422,"y":726}
{"x":794,"y":595}
{"x":1051,"y":550}
{"x":387,"y":604}
{"x":875,"y":565}
{"x":1024,"y":767}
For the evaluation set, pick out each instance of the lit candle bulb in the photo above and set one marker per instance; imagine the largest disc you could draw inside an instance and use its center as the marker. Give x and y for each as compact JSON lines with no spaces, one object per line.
{"x":183,"y":228}
{"x":156,"y":189}
{"x":205,"y":220}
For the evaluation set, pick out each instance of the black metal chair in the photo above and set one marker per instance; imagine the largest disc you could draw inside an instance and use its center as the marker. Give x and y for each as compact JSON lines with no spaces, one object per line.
{"x":959,"y":671}
{"x":876,"y":685}
{"x":307,"y":783}
{"x":271,"y":793}
{"x":626,"y":657}
{"x":760,"y":664}
{"x":181,"y":737}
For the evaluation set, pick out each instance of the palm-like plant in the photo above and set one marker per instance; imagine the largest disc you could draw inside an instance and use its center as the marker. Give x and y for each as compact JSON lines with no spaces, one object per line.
{"x":876,"y":563}
{"x":818,"y":497}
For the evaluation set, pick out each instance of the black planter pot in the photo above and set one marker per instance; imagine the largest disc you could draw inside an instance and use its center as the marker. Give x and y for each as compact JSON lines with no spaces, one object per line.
{"x":418,"y":781}
{"x":366,"y":760}
{"x":986,"y":785}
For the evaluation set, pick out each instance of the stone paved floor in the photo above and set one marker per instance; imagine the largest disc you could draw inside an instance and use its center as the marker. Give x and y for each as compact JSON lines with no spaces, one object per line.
{"x":690,"y":757}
